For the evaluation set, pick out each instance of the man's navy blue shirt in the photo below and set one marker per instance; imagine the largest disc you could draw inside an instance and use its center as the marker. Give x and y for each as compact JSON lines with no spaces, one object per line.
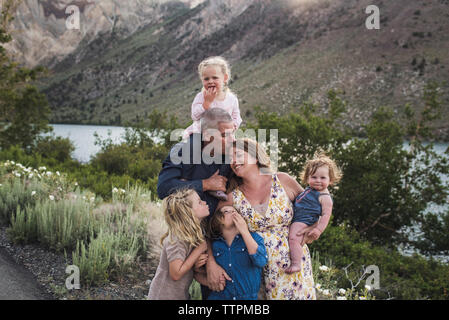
{"x":244,"y":269}
{"x":190,"y":171}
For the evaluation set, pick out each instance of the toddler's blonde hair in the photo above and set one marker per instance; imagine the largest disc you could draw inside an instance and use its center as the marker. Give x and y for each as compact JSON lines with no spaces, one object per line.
{"x":180,"y":218}
{"x":321,"y":160}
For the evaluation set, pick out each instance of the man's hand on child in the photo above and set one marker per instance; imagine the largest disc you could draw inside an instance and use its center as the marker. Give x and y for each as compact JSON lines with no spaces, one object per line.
{"x":215,"y":182}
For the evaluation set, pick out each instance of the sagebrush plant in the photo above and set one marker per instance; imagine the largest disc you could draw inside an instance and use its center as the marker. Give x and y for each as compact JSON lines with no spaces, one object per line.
{"x":55,"y":224}
{"x":106,"y":239}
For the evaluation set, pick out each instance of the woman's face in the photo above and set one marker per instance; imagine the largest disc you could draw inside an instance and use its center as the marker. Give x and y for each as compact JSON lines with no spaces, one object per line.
{"x":243,"y":162}
{"x":199,"y":207}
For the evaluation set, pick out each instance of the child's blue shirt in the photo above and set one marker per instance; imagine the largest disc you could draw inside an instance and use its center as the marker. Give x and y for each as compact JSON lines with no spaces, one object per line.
{"x":244,"y":269}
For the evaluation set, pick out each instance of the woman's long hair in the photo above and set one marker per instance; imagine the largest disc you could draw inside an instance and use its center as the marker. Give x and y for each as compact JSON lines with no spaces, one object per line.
{"x":256,"y":151}
{"x":181,"y":219}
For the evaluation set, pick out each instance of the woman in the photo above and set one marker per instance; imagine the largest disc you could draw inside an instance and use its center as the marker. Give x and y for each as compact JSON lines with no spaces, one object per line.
{"x":264,"y":199}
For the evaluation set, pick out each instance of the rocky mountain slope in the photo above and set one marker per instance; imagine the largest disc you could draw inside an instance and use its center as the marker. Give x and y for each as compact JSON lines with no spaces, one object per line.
{"x":283,"y":53}
{"x":41,"y":36}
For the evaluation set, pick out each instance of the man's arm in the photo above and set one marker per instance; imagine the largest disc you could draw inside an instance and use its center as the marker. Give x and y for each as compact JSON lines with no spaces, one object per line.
{"x":170,"y":179}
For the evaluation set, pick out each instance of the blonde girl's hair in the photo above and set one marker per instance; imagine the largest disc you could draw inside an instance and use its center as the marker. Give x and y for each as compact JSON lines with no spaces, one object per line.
{"x":321,"y":160}
{"x":180,"y":218}
{"x":256,"y":151}
{"x":219,"y":62}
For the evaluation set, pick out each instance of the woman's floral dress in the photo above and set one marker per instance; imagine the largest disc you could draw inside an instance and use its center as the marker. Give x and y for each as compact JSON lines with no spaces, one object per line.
{"x":274,"y":228}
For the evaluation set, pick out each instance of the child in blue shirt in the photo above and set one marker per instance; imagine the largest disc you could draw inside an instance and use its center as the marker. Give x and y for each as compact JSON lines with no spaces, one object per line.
{"x":242,"y":254}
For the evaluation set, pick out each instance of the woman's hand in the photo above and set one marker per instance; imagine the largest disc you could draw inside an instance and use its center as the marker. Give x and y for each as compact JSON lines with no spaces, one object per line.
{"x":311,"y":236}
{"x":216,"y":276}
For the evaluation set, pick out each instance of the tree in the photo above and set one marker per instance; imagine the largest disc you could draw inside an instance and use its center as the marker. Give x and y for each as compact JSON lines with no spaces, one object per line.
{"x":24,"y":111}
{"x":386,"y":185}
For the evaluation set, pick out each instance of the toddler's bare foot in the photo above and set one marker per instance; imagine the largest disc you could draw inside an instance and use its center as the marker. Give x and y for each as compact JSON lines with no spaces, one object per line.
{"x":294,"y":267}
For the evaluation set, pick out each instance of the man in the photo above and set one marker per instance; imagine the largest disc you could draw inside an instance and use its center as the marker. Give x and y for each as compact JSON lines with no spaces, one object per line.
{"x":203,"y":164}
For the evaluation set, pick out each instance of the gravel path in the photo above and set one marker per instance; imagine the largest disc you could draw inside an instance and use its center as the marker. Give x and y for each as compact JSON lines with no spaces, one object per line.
{"x":32,"y":272}
{"x":17,"y":283}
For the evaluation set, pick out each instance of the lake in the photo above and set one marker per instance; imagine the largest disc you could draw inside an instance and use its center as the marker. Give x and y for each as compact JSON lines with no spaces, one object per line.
{"x":83,"y":138}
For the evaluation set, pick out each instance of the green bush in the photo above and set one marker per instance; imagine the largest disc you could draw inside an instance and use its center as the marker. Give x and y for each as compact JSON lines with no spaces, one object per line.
{"x":401,"y":277}
{"x":56,"y":148}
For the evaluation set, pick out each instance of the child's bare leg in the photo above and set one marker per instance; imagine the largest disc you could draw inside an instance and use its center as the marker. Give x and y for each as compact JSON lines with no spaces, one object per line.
{"x":294,"y":242}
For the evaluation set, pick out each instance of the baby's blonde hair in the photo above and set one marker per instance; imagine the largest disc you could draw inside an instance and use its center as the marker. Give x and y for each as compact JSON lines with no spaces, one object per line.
{"x":216,"y":61}
{"x":320,"y":160}
{"x":181,"y":219}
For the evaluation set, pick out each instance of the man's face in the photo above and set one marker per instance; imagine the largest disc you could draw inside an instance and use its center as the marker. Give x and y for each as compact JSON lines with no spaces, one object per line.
{"x":221,"y":138}
{"x":227,"y":131}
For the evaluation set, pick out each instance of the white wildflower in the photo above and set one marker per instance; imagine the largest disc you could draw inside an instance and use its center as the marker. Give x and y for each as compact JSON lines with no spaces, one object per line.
{"x":57,"y":172}
{"x":318,"y":287}
{"x":367,"y":287}
{"x":33,"y":193}
{"x":341,"y":298}
{"x":42,"y":169}
{"x":52,"y":197}
{"x":12,"y":162}
{"x":122,"y":191}
{"x":30,"y":175}
{"x":92,"y":199}
{"x":76,"y":184}
{"x":342,"y":291}
{"x":362,"y":298}
{"x":324,"y":268}
{"x":18,"y":175}
{"x":48,"y":173}
{"x":84,"y":198}
{"x":115,"y":190}
{"x":326,"y":292}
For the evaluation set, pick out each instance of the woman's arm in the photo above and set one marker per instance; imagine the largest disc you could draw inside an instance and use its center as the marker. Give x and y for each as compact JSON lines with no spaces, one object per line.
{"x":178,"y":268}
{"x":215,"y":273}
{"x":291,"y":186}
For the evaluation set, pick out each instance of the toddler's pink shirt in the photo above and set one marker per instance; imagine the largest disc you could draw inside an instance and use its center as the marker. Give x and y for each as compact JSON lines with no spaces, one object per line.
{"x":229,"y":104}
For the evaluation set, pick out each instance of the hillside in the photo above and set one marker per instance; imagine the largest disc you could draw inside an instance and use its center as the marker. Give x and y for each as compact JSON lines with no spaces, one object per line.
{"x":283,"y":53}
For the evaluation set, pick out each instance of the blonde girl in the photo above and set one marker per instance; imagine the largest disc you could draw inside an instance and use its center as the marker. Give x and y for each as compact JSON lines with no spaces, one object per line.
{"x":215,"y":75}
{"x":182,"y":245}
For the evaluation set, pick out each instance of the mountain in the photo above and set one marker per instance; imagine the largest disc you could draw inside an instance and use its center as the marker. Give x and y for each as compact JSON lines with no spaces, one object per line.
{"x":41,"y":36}
{"x":282,"y":52}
